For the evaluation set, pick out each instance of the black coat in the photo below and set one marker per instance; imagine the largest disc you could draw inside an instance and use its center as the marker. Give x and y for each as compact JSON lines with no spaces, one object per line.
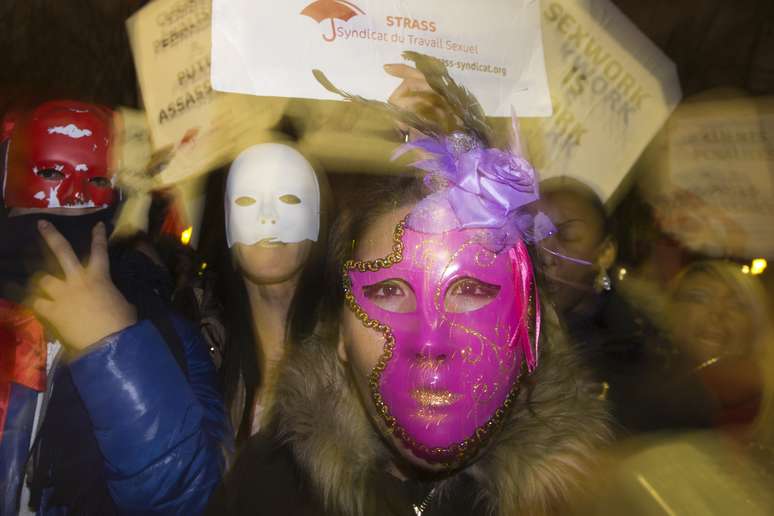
{"x":266,"y":480}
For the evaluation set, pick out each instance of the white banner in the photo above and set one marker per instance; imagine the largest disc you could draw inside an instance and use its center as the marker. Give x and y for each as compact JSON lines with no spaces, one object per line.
{"x":612,"y":90}
{"x":494,"y":48}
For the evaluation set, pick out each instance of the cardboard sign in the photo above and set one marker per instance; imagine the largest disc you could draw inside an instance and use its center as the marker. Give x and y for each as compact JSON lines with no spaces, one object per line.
{"x":710,"y":177}
{"x":132,"y":151}
{"x":264,"y":47}
{"x":612,"y":90}
{"x":195,"y":127}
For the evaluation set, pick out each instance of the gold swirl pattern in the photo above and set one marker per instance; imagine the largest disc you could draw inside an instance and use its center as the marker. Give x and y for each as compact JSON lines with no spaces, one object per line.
{"x":460,"y":451}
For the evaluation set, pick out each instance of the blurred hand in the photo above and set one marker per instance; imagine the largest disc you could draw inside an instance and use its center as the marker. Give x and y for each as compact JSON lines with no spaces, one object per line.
{"x":85,"y":306}
{"x":415,"y":94}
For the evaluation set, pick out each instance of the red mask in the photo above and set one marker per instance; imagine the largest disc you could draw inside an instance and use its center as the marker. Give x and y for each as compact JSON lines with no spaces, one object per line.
{"x":58,"y":156}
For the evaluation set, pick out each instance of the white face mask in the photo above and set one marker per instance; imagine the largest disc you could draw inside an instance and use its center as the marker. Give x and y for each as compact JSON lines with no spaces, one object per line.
{"x":272,"y":194}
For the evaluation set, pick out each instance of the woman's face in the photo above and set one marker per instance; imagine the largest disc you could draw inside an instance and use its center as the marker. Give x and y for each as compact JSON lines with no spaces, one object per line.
{"x":710,"y":319}
{"x":266,"y":263}
{"x":579,"y":236}
{"x":272,"y":196}
{"x":272,"y":207}
{"x":447,"y":359}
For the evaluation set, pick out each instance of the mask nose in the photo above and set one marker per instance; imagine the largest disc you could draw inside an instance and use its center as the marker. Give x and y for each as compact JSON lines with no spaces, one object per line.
{"x":267,"y":212}
{"x":73,"y":191}
{"x":434,"y":344}
{"x":430,"y":355}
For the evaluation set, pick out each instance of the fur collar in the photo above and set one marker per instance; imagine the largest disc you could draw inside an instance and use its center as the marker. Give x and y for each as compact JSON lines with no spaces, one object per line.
{"x":531,"y":466}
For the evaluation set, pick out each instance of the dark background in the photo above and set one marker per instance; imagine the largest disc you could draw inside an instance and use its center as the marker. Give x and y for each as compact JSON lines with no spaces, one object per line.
{"x":79,"y":48}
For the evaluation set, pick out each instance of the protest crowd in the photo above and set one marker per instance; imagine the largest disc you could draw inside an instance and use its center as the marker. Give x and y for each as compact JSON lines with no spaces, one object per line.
{"x":508,"y":258}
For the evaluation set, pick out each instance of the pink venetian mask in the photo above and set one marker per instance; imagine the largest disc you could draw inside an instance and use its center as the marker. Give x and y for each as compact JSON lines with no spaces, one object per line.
{"x":457,"y":318}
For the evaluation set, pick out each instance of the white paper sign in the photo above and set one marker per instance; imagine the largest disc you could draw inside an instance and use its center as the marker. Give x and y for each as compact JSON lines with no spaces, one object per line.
{"x":612,"y":90}
{"x":265,"y":47}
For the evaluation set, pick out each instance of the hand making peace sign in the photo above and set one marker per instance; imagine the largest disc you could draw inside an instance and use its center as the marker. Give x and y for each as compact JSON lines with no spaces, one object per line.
{"x":84,"y":306}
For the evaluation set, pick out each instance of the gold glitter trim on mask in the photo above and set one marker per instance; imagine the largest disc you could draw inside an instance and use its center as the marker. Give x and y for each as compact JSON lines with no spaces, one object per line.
{"x":485,"y":264}
{"x":460,"y":451}
{"x":431,"y":398}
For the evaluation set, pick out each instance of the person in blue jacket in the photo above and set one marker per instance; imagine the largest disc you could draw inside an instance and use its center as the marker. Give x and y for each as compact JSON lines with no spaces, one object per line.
{"x":159,"y":425}
{"x":124,"y":417}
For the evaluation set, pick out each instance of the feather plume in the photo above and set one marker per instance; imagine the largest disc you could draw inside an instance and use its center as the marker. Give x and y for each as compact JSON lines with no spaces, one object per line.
{"x":426,"y":127}
{"x":462,"y":102}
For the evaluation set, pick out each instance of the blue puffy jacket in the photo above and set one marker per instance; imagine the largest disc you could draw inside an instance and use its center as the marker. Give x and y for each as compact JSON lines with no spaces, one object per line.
{"x":163,"y":437}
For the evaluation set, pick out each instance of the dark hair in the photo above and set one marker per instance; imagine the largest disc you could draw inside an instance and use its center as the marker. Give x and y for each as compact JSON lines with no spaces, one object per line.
{"x":359,"y":209}
{"x":240,"y":358}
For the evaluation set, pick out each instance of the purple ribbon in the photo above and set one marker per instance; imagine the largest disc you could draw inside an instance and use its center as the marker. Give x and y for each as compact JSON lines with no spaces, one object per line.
{"x":484,"y":187}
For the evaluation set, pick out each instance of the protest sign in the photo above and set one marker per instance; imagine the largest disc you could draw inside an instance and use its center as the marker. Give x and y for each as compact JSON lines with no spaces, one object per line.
{"x":196,"y":127}
{"x":270,"y":48}
{"x":131,"y":150}
{"x":710,"y":177}
{"x":612,"y":89}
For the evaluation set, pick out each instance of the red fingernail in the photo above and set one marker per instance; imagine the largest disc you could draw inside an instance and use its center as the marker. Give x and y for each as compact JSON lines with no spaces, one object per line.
{"x":42,"y":224}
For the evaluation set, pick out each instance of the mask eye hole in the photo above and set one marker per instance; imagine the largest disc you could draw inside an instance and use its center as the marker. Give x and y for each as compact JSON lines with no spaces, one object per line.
{"x":244,"y":201}
{"x":393,"y":295}
{"x":101,"y":182}
{"x":468,"y":294}
{"x":290,"y":199}
{"x":50,"y":174}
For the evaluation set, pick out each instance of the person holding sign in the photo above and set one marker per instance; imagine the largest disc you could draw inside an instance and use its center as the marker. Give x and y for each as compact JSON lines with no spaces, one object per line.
{"x":440,"y":382}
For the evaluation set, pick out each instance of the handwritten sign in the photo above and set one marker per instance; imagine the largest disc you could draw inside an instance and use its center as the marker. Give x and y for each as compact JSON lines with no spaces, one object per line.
{"x":264,"y":47}
{"x":196,"y":126}
{"x":612,"y":89}
{"x":709,"y":177}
